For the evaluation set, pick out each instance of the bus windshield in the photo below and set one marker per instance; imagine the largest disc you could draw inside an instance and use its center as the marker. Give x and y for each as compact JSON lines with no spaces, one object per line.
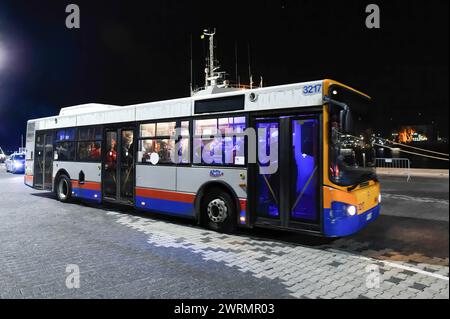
{"x":352,"y":155}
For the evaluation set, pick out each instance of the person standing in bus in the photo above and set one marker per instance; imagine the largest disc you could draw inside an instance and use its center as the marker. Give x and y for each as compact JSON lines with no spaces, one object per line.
{"x":94,"y":152}
{"x":111,"y":155}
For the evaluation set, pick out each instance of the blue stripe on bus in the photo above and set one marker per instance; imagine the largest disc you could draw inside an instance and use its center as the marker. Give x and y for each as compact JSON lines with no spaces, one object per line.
{"x":87,"y":194}
{"x":165,"y":206}
{"x":340,"y":224}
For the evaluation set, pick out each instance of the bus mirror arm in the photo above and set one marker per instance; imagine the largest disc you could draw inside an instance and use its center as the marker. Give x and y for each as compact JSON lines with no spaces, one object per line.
{"x":343,"y":114}
{"x":328,"y":100}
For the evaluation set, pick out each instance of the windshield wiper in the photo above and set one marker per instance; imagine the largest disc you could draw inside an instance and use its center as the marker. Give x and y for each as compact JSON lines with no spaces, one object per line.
{"x":363,"y":178}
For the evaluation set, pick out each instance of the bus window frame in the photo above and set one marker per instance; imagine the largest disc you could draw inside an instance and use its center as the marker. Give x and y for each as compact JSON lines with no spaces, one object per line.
{"x":56,"y":142}
{"x":78,"y":140}
{"x":328,"y":106}
{"x":178,"y":121}
{"x":217,"y":116}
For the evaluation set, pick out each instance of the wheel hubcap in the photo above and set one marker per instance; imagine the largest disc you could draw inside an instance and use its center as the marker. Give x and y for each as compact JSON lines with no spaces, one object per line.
{"x":217,"y":211}
{"x":63,"y":189}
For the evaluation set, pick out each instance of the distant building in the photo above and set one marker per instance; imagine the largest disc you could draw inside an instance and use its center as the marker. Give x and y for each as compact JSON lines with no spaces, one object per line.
{"x":415,"y":133}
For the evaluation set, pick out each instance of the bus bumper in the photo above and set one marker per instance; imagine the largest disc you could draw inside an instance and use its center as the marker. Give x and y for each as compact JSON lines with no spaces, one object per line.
{"x":338,"y":224}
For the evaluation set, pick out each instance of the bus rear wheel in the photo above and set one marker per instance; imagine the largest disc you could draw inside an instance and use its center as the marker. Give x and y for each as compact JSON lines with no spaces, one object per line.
{"x":64,"y":189}
{"x":218,"y":211}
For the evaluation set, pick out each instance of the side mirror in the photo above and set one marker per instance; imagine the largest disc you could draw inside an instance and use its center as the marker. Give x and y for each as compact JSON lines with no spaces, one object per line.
{"x":348,"y":123}
{"x":346,"y":120}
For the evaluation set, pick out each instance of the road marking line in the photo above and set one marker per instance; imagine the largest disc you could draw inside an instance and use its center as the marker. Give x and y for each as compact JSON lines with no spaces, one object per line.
{"x":416,"y":199}
{"x":391,"y":264}
{"x":419,"y":271}
{"x":400,"y":266}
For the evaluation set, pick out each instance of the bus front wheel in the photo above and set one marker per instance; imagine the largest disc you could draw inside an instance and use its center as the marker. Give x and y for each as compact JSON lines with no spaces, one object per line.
{"x":218,"y":211}
{"x":64,"y":189}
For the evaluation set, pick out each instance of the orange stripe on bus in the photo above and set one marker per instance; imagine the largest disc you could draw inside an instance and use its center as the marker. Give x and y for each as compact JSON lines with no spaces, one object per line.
{"x":94,"y":186}
{"x":166,"y":195}
{"x":335,"y":195}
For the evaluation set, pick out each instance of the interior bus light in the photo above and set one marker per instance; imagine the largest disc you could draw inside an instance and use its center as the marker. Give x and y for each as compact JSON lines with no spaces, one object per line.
{"x":351,"y":210}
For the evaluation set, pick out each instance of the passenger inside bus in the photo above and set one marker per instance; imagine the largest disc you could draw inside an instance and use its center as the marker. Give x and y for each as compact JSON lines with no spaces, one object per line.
{"x":163,"y":147}
{"x":111,"y":155}
{"x":95,"y":151}
{"x":110,"y":165}
{"x":126,"y":164}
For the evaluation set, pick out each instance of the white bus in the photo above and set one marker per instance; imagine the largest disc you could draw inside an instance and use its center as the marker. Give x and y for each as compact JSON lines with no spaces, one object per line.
{"x":324,"y":183}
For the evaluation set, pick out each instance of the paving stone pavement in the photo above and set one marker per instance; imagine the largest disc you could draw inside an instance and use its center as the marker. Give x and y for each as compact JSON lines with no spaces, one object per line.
{"x":39,"y":237}
{"x":127,"y":254}
{"x":320,"y":272}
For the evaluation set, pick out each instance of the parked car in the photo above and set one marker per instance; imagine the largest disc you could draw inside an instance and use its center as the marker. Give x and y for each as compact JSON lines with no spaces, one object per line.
{"x":16,"y":163}
{"x":2,"y":156}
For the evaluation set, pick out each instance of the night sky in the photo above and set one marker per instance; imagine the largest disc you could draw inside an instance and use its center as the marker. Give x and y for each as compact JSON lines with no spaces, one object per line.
{"x":130,"y":52}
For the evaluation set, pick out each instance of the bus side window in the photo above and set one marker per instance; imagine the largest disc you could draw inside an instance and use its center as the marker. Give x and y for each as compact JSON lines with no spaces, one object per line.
{"x":89,"y":144}
{"x":65,"y":151}
{"x":161,"y":138}
{"x":220,"y":141}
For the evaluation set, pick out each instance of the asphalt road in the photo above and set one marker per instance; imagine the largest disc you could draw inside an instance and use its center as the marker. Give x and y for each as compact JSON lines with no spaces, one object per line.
{"x":121,"y":253}
{"x":421,"y":197}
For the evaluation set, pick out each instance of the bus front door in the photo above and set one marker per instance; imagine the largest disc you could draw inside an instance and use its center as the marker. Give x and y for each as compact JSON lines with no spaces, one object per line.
{"x":43,"y":161}
{"x":288,"y":172}
{"x":118,"y":165}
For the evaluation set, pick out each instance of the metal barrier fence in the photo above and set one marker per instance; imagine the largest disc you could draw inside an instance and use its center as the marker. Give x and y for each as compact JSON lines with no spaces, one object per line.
{"x":400,"y":163}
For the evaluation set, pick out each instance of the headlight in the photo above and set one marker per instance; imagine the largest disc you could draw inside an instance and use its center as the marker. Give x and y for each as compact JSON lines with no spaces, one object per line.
{"x":379,"y":198}
{"x":18,"y":164}
{"x":351,"y":210}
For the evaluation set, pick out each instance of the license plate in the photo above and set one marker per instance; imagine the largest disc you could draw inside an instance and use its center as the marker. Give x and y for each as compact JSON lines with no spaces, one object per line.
{"x":369,"y":216}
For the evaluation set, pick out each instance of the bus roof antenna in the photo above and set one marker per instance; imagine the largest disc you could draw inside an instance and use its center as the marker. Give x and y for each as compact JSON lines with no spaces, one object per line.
{"x":236,"y":60}
{"x":212,"y":75}
{"x":215,"y":80}
{"x":249,"y":66}
{"x":191,"y":66}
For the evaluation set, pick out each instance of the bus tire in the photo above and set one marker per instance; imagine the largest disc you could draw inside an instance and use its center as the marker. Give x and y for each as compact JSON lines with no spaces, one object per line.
{"x":63,"y":189}
{"x":218,"y":211}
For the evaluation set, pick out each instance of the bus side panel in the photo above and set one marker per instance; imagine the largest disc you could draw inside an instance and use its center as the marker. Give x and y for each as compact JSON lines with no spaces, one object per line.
{"x":29,"y":158}
{"x":156,"y":190}
{"x":90,"y":188}
{"x":173,"y":190}
{"x":190,"y":179}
